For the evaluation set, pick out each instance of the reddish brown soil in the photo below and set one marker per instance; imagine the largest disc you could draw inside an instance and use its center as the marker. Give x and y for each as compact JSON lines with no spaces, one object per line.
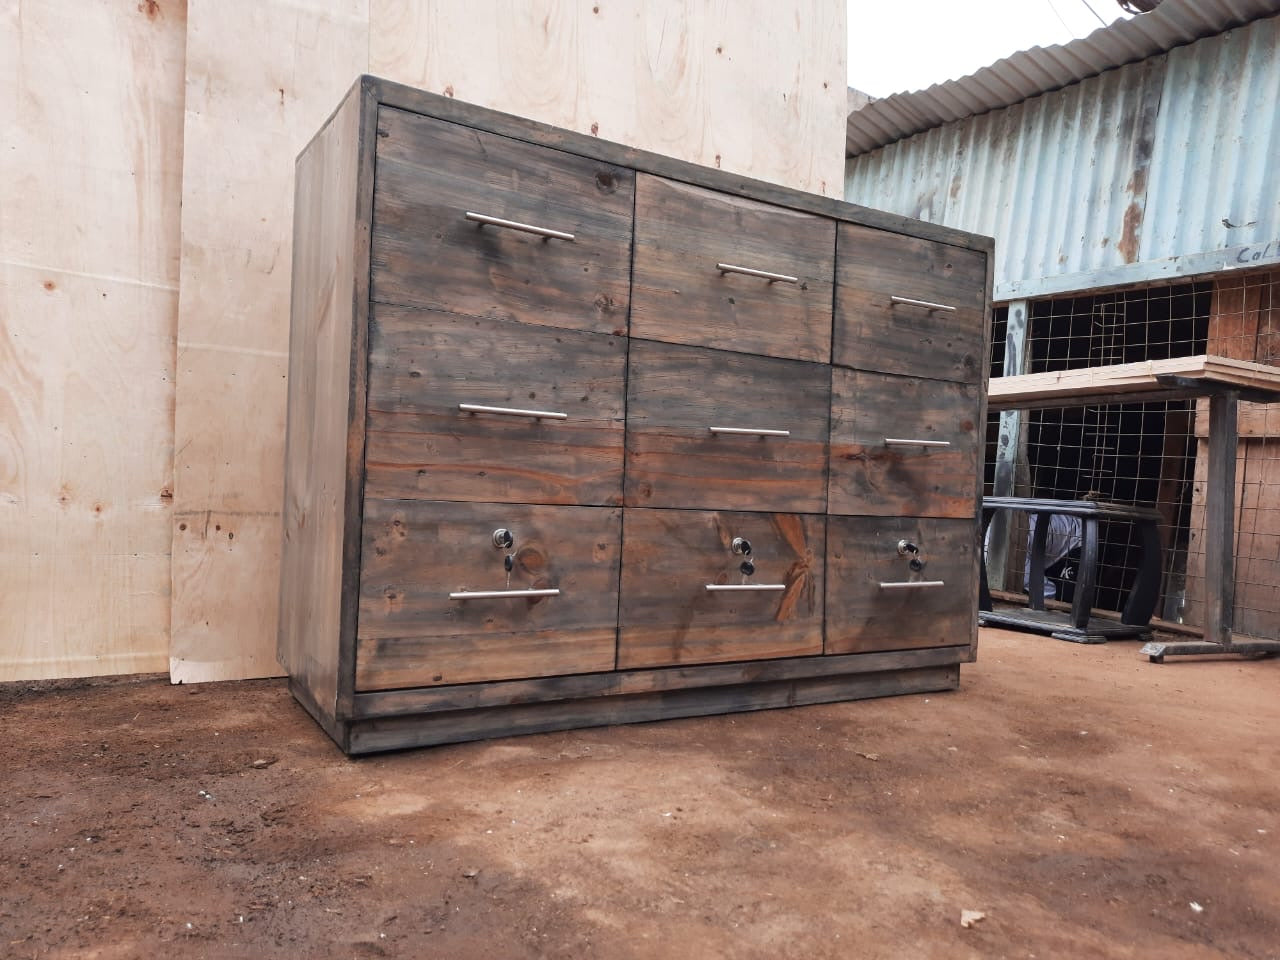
{"x":1080,"y":797}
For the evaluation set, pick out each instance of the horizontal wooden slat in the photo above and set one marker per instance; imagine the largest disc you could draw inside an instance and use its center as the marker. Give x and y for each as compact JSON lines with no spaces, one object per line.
{"x":872,"y":332}
{"x":876,"y":470}
{"x":666,"y":614}
{"x":1123,"y":382}
{"x":677,"y":393}
{"x":474,"y":696}
{"x":430,"y":174}
{"x":423,"y":364}
{"x":417,"y":552}
{"x":681,"y":295}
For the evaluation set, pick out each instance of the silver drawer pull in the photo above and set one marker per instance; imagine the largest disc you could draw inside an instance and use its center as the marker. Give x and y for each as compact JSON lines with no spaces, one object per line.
{"x":762,"y":274}
{"x":922,"y":303}
{"x":911,"y":584}
{"x":749,"y":432}
{"x":501,"y":594}
{"x":743,"y":587}
{"x":898,"y":442}
{"x":485,"y":220}
{"x":513,"y":412}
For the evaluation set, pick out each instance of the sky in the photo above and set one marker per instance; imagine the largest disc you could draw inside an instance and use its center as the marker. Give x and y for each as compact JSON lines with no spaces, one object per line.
{"x":910,"y":44}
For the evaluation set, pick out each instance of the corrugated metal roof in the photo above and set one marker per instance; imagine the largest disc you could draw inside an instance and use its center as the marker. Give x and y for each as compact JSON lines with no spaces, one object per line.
{"x":1159,"y":169}
{"x":1041,"y":69}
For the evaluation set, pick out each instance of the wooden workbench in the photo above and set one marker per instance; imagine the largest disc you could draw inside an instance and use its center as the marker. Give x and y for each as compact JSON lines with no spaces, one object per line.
{"x":1225,"y":382}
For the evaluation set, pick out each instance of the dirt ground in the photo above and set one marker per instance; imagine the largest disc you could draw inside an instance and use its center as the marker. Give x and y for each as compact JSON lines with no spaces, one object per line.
{"x":1087,"y":802}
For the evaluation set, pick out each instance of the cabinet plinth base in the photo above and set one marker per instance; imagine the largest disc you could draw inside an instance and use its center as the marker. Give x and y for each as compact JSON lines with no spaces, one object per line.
{"x":374,"y":734}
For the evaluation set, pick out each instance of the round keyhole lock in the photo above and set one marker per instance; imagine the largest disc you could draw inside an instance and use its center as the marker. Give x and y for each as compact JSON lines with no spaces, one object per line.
{"x":907,"y":548}
{"x":915,"y":564}
{"x":741,"y":546}
{"x":503,"y":539}
{"x":747,"y":568}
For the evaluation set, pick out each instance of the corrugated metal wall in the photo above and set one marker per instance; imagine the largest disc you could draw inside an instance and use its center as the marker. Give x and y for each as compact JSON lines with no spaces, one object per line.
{"x":1165,"y":168}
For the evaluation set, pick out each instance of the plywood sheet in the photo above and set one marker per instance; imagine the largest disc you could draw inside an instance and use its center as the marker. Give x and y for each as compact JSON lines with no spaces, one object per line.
{"x":261,"y":78}
{"x":91,"y":127}
{"x":756,"y":87}
{"x":85,"y":452}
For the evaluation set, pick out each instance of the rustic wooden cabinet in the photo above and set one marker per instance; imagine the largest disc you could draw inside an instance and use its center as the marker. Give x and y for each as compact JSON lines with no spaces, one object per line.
{"x":583,"y":435}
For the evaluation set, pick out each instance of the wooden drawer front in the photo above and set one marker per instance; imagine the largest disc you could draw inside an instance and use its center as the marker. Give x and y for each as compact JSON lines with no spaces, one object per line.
{"x":878,"y":468}
{"x":862,"y":555}
{"x":423,"y":365}
{"x":676,"y":395}
{"x":668,"y":616}
{"x":873,"y":332}
{"x":431,"y":173}
{"x":681,"y":296}
{"x":416,"y":553}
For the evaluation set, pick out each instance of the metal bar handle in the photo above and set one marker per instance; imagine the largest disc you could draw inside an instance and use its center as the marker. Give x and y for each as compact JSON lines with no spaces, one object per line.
{"x":513,"y":412}
{"x":750,"y":432}
{"x":911,"y":584}
{"x":501,"y":594}
{"x":900,"y":442}
{"x":743,"y":587}
{"x":486,"y":220}
{"x":762,"y":274}
{"x":922,"y":303}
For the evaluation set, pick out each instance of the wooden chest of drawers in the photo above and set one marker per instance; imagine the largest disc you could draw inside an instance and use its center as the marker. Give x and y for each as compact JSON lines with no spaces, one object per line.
{"x":582,"y":435}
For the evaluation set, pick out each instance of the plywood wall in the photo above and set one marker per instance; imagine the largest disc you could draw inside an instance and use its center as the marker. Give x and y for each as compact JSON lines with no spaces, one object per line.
{"x":145,"y":242}
{"x":90,"y":167}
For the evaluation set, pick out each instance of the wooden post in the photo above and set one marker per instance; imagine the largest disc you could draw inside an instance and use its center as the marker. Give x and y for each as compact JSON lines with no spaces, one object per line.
{"x":1219,"y":532}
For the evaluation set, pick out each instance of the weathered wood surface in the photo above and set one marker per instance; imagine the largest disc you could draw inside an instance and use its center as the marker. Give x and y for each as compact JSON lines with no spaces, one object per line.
{"x":756,"y":88}
{"x":667,"y":616}
{"x":262,"y":77}
{"x":417,"y":552}
{"x":873,"y":333}
{"x":676,"y":393}
{"x":1121,"y":382}
{"x":91,"y":166}
{"x":423,"y":364}
{"x":326,"y":416}
{"x":870,"y":477}
{"x":388,"y":703}
{"x":426,"y":253}
{"x":862,"y":552}
{"x":393,"y":733}
{"x":679,"y":295}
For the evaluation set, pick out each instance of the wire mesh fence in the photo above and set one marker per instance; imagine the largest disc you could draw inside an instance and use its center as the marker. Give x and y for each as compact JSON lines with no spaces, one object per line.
{"x":1154,"y":454}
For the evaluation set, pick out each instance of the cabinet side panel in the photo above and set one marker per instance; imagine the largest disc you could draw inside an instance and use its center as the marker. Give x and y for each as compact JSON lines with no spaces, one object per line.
{"x":321,"y":377}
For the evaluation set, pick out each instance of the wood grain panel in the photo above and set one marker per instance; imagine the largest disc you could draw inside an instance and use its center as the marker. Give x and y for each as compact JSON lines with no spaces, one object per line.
{"x":873,"y":333}
{"x":91,"y":166}
{"x":417,"y":552}
{"x":262,"y":76}
{"x":426,"y":253}
{"x":872,"y":477}
{"x":862,"y":553}
{"x":679,"y":295}
{"x":326,"y":416}
{"x":676,"y":393}
{"x":423,"y":364}
{"x":667,"y":616}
